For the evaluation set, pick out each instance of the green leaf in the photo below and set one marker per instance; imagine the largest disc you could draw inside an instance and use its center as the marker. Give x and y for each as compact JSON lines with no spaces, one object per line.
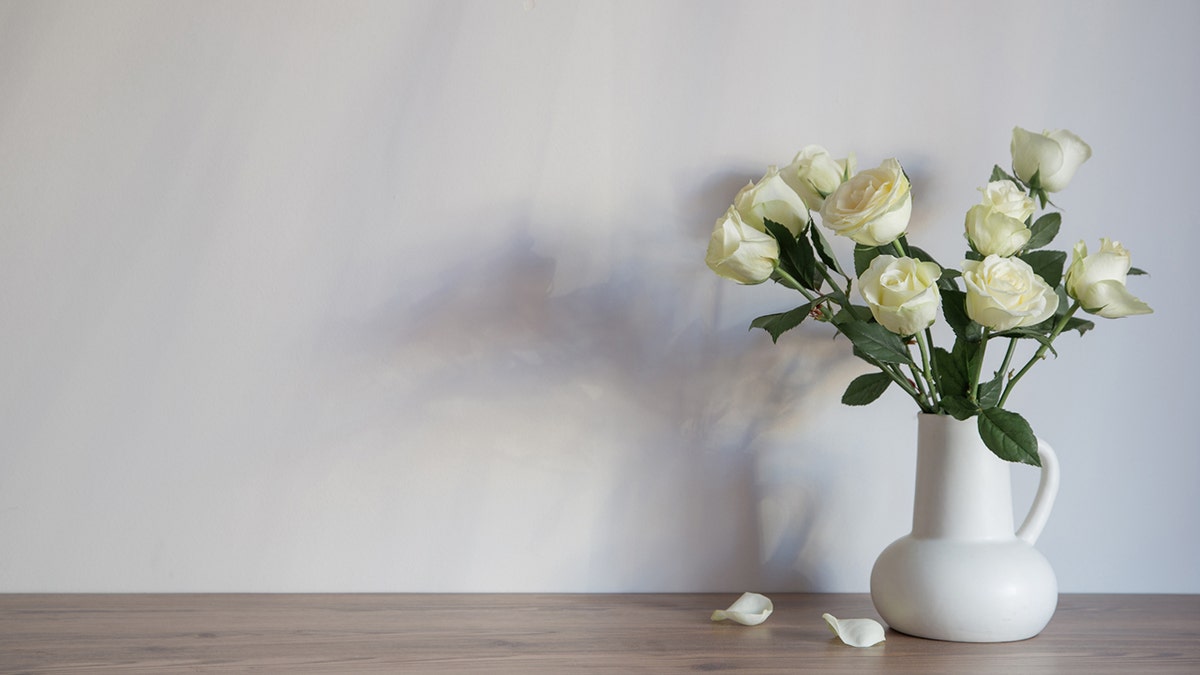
{"x":1044,"y":230}
{"x":1038,"y":333}
{"x":948,"y":280}
{"x":850,"y":315}
{"x":1137,"y":272}
{"x":954,"y":308}
{"x":920,"y":254}
{"x":863,"y":255}
{"x":877,"y":342}
{"x":795,"y":255}
{"x":806,"y":262}
{"x":1008,"y":436}
{"x":959,"y":407}
{"x":824,"y":250}
{"x":866,"y":388}
{"x":1001,"y":174}
{"x":778,"y":324}
{"x":1046,"y":264}
{"x":989,"y":392}
{"x":1081,"y":325}
{"x":951,"y":372}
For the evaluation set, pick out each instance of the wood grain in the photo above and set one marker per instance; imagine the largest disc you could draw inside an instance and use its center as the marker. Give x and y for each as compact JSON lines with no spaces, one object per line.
{"x":385,"y":633}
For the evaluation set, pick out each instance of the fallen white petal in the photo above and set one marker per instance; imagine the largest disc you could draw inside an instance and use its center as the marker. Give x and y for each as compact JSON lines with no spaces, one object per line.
{"x":749,"y":610}
{"x":855,"y":632}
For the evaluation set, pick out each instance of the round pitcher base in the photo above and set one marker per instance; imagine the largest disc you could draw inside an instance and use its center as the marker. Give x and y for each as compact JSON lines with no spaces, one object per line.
{"x":964,"y":591}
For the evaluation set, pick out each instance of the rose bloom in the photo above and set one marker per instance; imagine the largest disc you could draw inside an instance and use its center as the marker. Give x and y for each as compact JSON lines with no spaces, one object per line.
{"x":1004,"y":293}
{"x":739,"y":252}
{"x":1004,"y":196}
{"x":873,"y":207}
{"x":993,"y":233}
{"x":902,"y":293}
{"x":814,"y":174}
{"x":771,"y":198}
{"x":1056,"y":154}
{"x":1097,"y":281}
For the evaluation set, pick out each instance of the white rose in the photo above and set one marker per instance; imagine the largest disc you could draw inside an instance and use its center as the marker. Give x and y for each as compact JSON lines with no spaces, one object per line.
{"x":873,"y":207}
{"x":772,"y":198}
{"x":1004,"y":293}
{"x":993,"y":233}
{"x":997,"y":224}
{"x":1057,"y":154}
{"x":739,"y":252}
{"x":1097,"y":281}
{"x":1004,"y":196}
{"x":902,"y":293}
{"x":814,"y":174}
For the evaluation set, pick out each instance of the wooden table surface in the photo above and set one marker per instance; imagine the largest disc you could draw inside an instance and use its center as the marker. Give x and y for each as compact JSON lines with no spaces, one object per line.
{"x":389,"y":633}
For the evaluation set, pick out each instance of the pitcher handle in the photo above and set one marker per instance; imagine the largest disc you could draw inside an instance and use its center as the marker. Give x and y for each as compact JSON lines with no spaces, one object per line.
{"x":1047,"y":490}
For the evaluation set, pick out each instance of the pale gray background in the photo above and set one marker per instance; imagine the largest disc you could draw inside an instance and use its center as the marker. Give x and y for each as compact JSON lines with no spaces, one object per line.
{"x":303,"y":296}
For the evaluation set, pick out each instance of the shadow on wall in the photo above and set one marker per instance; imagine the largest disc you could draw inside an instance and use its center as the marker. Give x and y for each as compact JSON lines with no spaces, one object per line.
{"x":605,"y":439}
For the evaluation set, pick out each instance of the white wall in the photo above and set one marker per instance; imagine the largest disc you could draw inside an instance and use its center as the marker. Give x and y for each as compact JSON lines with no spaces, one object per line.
{"x":403,"y":297}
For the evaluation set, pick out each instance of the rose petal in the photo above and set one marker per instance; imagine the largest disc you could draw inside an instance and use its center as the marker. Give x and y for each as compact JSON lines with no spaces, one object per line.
{"x":749,"y":610}
{"x":855,"y":632}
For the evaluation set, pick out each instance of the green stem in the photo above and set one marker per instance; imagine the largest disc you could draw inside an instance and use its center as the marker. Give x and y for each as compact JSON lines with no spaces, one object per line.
{"x":1012,"y":348}
{"x":924,"y":341}
{"x":898,"y":377}
{"x":973,"y":384}
{"x":844,"y":296}
{"x":891,"y":371}
{"x":792,"y":283}
{"x":1041,"y":352}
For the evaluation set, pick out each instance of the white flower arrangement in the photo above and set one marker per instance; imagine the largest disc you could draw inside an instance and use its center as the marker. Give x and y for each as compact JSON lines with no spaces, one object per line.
{"x":1013,"y":288}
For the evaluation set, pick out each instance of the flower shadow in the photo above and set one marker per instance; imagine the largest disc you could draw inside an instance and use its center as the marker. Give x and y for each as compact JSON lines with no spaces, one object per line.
{"x":616,"y":433}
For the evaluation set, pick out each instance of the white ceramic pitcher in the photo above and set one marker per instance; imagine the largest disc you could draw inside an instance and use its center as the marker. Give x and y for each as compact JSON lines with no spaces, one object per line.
{"x":963,"y":574}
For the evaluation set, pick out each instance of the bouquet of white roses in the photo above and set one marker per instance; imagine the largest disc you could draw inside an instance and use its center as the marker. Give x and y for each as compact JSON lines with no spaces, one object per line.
{"x":1013,"y":289}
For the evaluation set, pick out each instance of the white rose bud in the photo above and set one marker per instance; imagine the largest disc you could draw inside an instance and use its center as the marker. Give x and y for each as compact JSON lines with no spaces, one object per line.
{"x":739,"y":252}
{"x":997,"y":224}
{"x":814,"y":174}
{"x":1004,"y":293}
{"x":873,"y":207}
{"x":902,"y":293}
{"x":1097,"y":281}
{"x":1056,"y":154}
{"x":772,"y":199}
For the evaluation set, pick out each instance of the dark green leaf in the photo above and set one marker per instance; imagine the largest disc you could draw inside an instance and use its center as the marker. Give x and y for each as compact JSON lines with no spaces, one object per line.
{"x":1008,"y":436}
{"x":954,"y":308}
{"x":989,"y":392}
{"x":877,"y":342}
{"x":1081,"y":325}
{"x":866,"y":388}
{"x":1038,"y":333}
{"x":959,"y":407}
{"x":1044,"y":230}
{"x":778,"y":324}
{"x":824,"y":250}
{"x":970,"y":355}
{"x":806,"y":262}
{"x":863,"y":255}
{"x":855,"y":313}
{"x":951,"y":373}
{"x":1001,"y":174}
{"x":920,"y":254}
{"x":948,"y":280}
{"x":1135,"y":271}
{"x":1046,"y":264}
{"x":795,"y":256}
